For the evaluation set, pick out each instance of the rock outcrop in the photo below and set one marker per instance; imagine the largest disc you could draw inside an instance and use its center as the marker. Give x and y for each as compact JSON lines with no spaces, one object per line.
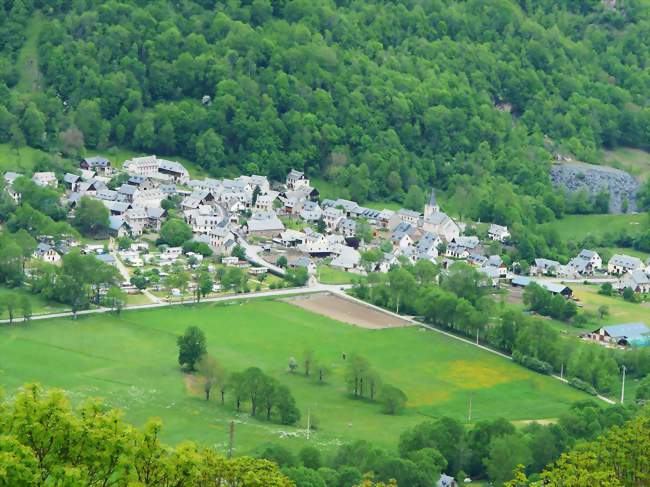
{"x":620,"y":185}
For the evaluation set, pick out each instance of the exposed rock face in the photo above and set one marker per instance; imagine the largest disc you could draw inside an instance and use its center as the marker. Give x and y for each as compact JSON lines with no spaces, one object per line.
{"x":620,"y":185}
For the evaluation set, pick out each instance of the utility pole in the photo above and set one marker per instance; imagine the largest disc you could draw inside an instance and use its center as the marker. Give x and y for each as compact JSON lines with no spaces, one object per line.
{"x":231,"y":437}
{"x":623,"y":386}
{"x":477,"y":336}
{"x":469,"y":411}
{"x":562,"y":371}
{"x":308,"y":422}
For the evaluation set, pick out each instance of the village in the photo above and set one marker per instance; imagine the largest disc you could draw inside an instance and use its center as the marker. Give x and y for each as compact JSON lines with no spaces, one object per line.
{"x":268,"y":228}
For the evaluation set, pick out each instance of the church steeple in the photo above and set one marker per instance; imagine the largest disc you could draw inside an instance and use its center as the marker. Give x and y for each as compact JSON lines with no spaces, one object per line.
{"x":432,"y":206}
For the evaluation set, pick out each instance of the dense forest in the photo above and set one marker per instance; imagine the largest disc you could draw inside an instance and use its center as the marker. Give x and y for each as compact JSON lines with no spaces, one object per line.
{"x":471,"y":97}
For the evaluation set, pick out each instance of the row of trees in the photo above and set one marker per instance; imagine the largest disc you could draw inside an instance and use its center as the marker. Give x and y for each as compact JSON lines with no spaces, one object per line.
{"x":461,"y":303}
{"x":265,"y":394}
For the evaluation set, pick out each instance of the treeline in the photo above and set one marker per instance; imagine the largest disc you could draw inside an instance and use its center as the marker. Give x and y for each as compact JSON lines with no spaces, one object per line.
{"x":461,"y":303}
{"x":617,"y":458}
{"x":490,"y":449}
{"x":378,"y":97}
{"x":46,"y":442}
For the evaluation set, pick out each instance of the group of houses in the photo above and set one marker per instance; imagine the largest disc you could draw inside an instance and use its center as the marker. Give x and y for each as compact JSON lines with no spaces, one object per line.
{"x":630,"y":271}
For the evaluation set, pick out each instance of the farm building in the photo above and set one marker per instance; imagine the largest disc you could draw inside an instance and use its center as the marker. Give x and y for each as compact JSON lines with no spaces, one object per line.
{"x":552,"y":287}
{"x":634,"y":334}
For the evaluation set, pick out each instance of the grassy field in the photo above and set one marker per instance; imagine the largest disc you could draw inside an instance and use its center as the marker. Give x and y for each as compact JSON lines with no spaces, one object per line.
{"x":39,"y":305}
{"x":620,"y":311}
{"x":576,"y":227}
{"x":634,"y":161}
{"x":27,"y":61}
{"x":131,"y":361}
{"x":332,"y":275}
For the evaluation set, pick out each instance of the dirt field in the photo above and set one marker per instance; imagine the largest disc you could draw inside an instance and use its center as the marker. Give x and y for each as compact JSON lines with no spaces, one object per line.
{"x":347,"y":311}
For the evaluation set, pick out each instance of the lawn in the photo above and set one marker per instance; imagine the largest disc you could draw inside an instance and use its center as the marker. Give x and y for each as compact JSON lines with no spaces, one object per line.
{"x":117,"y":156}
{"x":332,"y":275}
{"x":577,"y":227}
{"x":634,"y":161}
{"x":130,"y":360}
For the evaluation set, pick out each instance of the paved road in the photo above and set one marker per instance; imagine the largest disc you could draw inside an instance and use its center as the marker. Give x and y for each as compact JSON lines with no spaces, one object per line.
{"x":253,"y":256}
{"x":318,"y":288}
{"x":127,"y":277}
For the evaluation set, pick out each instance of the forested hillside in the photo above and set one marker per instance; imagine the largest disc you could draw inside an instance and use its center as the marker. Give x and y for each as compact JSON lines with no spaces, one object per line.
{"x":472,"y":97}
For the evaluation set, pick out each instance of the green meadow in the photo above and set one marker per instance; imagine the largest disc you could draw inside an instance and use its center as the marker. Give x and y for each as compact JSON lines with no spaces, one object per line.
{"x":577,"y":227}
{"x":131,"y":361}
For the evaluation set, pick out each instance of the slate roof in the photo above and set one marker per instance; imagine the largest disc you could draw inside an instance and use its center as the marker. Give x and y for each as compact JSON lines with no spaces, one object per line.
{"x":630,"y":331}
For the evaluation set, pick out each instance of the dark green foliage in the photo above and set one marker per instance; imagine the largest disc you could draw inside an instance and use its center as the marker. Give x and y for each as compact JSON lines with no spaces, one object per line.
{"x":583,"y":386}
{"x":532,"y":363}
{"x":175,"y":232}
{"x":191,"y":346}
{"x":91,"y":217}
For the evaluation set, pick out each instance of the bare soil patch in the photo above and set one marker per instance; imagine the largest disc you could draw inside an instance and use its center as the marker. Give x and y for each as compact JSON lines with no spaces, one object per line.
{"x":347,"y":311}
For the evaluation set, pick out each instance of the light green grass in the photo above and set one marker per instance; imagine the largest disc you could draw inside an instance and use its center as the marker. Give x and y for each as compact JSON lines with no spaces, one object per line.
{"x":577,"y":227}
{"x":634,"y":161}
{"x":39,"y":305}
{"x":22,"y":161}
{"x":626,"y":250}
{"x":130,"y":360}
{"x":332,"y":275}
{"x":620,"y":311}
{"x":27,"y":62}
{"x":381,"y":205}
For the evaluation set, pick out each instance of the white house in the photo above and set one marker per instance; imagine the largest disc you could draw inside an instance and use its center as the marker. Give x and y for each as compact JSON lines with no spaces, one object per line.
{"x":498,"y":232}
{"x":47,"y":178}
{"x":47,"y":253}
{"x":297,"y":180}
{"x":620,"y":264}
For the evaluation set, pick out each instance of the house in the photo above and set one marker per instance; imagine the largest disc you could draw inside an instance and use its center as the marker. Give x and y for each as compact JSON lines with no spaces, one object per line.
{"x":585,"y":263}
{"x":47,"y":178}
{"x":175,"y":171}
{"x":402,"y":236}
{"x":332,"y":216}
{"x":477,"y":260}
{"x":626,"y":334}
{"x":636,"y":280}
{"x":545,"y":267}
{"x":304,"y":262}
{"x":427,"y":246}
{"x":491,"y":274}
{"x":118,"y":226}
{"x":456,"y":251}
{"x":347,"y":227}
{"x":291,"y":238}
{"x":47,"y":253}
{"x":141,"y":166}
{"x":620,"y":264}
{"x":311,"y":211}
{"x":440,"y":224}
{"x":230,"y":260}
{"x":408,"y":216}
{"x":384,"y":218}
{"x":469,"y":242}
{"x":498,"y":233}
{"x":264,"y":223}
{"x":446,"y":481}
{"x":98,"y":164}
{"x":71,"y":181}
{"x":264,"y":202}
{"x":297,"y":180}
{"x":552,"y":287}
{"x":348,"y":260}
{"x":10,"y":177}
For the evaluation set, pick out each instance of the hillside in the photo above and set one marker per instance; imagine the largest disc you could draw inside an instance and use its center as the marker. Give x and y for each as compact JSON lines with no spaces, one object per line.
{"x":472,"y":97}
